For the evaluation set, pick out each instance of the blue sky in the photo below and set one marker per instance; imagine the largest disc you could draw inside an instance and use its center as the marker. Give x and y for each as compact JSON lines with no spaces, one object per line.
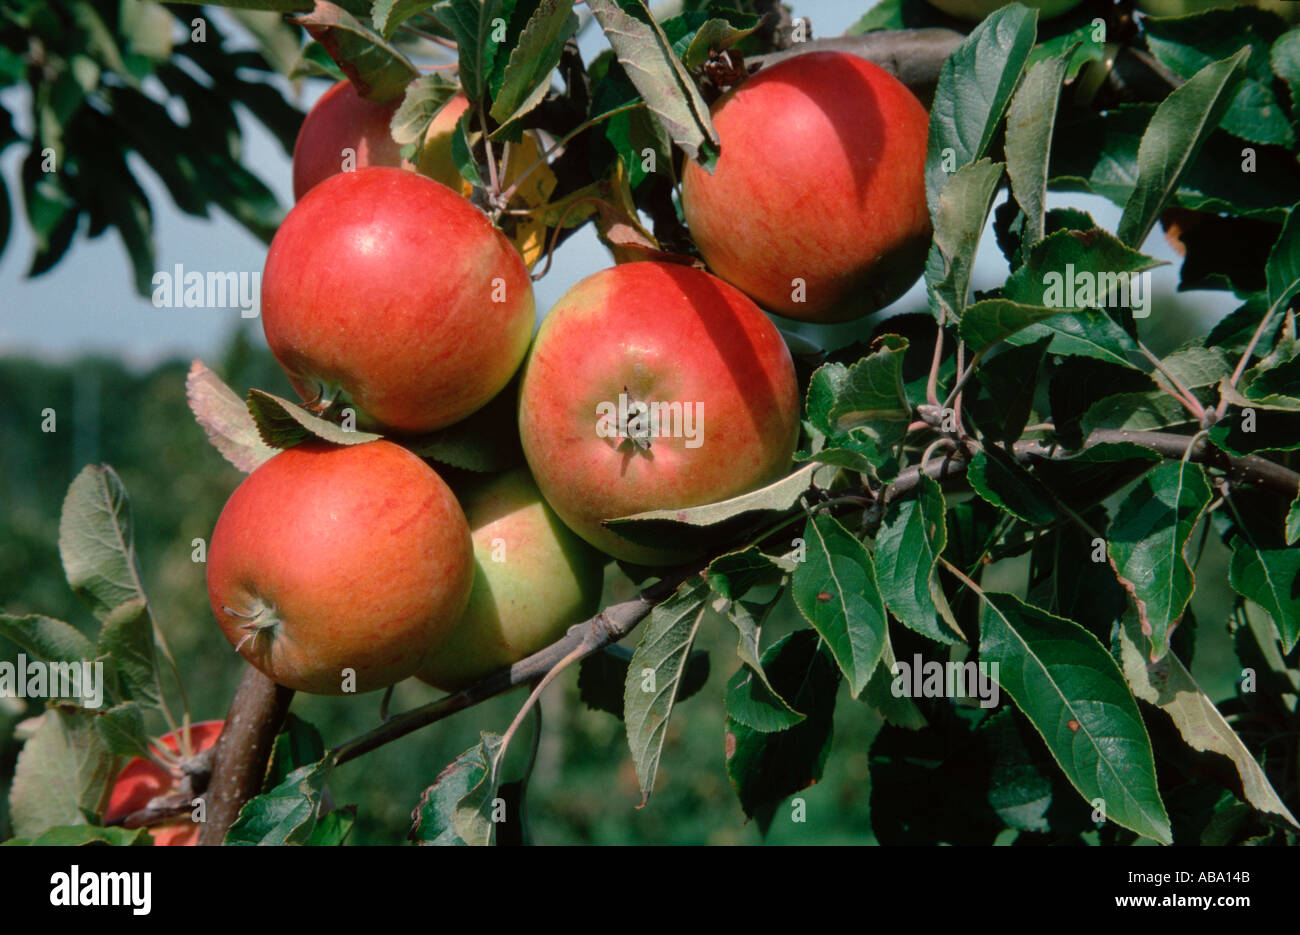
{"x":87,"y":304}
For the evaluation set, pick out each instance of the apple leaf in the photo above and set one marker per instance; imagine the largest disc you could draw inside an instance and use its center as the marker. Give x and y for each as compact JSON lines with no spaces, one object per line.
{"x":1031,"y":118}
{"x":288,"y":813}
{"x":472,"y":24}
{"x":779,"y":496}
{"x":1061,"y":270}
{"x":1135,"y":412}
{"x":715,"y":33}
{"x":126,"y":641}
{"x":602,"y":678}
{"x":1179,"y":128}
{"x":990,"y":321}
{"x":63,"y":776}
{"x":225,"y":419}
{"x":462,"y":150}
{"x":835,"y":589}
{"x":378,"y":70}
{"x":332,"y":829}
{"x":387,"y":15}
{"x":974,"y":90}
{"x":424,"y":98}
{"x":283,"y":424}
{"x":122,"y":730}
{"x":1169,"y":686}
{"x":912,"y":535}
{"x":46,"y":639}
{"x":898,"y":710}
{"x":998,"y":478}
{"x":527,"y":76}
{"x":433,"y":814}
{"x":298,"y":744}
{"x":866,"y":398}
{"x":1081,"y":335}
{"x":80,"y":835}
{"x":1283,"y":270}
{"x":1270,"y":578}
{"x":959,"y":215}
{"x":1147,"y":543}
{"x":97,"y":541}
{"x":662,"y":80}
{"x":1293,"y":522}
{"x":767,"y":766}
{"x":1074,"y":694}
{"x":655,"y":672}
{"x":472,"y":818}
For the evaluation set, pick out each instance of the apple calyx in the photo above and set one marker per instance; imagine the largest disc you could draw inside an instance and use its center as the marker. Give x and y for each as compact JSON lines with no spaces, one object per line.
{"x":259,"y":621}
{"x":636,"y":431}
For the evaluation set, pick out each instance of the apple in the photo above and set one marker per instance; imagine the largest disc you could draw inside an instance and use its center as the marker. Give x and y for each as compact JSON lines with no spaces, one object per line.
{"x":392,"y":289}
{"x":328,"y":558}
{"x":533,"y":579}
{"x":816,"y":207}
{"x":654,"y":333}
{"x":978,"y":9}
{"x":344,"y":124}
{"x":143,"y":780}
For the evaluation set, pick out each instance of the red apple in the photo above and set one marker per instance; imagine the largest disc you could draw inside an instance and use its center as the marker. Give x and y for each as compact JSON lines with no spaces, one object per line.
{"x":394,"y":290}
{"x":343,"y":127}
{"x":142,"y":780}
{"x":655,"y":333}
{"x":533,"y":580}
{"x":329,"y":558}
{"x":816,"y":207}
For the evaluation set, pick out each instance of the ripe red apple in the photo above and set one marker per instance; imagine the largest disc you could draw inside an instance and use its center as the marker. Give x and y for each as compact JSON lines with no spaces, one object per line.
{"x":816,"y":207}
{"x":654,"y":333}
{"x":344,"y":126}
{"x":978,"y":9}
{"x":143,"y":780}
{"x":329,"y":558}
{"x":533,"y":580}
{"x":394,"y":290}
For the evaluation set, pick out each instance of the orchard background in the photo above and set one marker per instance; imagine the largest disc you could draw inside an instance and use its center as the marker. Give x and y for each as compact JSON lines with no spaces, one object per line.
{"x":87,"y":79}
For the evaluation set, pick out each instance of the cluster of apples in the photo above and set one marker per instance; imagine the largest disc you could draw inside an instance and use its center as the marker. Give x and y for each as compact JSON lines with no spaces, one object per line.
{"x":340,"y":568}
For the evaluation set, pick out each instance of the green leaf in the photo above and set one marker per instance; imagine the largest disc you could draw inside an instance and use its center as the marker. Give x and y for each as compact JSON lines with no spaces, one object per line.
{"x":657,"y":666}
{"x":1270,"y":578}
{"x":82,"y":835}
{"x":974,"y":90}
{"x":835,"y":589}
{"x":1080,"y":334}
{"x":45,"y":638}
{"x":1293,"y":522}
{"x":1006,"y":386}
{"x":1181,"y":124}
{"x":424,"y":98}
{"x":433,"y":814}
{"x":1068,"y":686}
{"x":1147,"y":544}
{"x":126,"y":639}
{"x":333,"y":828}
{"x":473,"y":819}
{"x":63,"y":776}
{"x":1169,"y":686}
{"x":995,"y":476}
{"x":660,"y":77}
{"x":283,"y":424}
{"x":297,"y":745}
{"x":225,"y":419}
{"x":1030,"y":121}
{"x":602,"y":678}
{"x":471,"y":23}
{"x":377,"y":69}
{"x":867,"y":397}
{"x":718,"y":34}
{"x":766,"y":767}
{"x":122,"y":730}
{"x":288,"y":813}
{"x":990,"y":321}
{"x":777,"y":497}
{"x":898,"y":710}
{"x":462,"y":153}
{"x":527,"y":75}
{"x":1089,"y":269}
{"x":97,"y":541}
{"x":1185,"y":45}
{"x":387,"y":15}
{"x":912,"y":536}
{"x":1283,"y":270}
{"x":959,"y":215}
